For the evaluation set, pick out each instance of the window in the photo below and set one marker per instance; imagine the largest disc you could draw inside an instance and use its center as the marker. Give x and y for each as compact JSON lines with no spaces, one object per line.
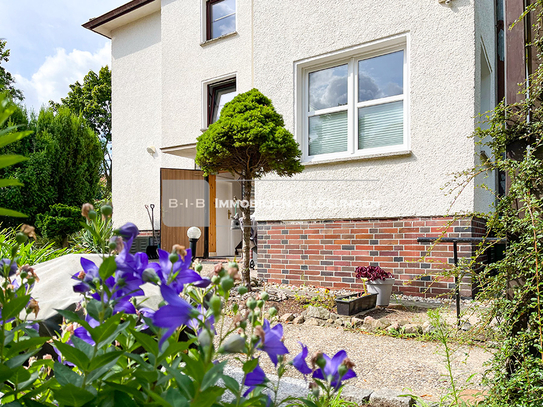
{"x":219,"y":94}
{"x":355,"y":106}
{"x":220,"y":18}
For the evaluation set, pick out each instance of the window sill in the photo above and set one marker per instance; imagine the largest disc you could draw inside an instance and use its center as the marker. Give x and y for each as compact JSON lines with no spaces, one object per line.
{"x":357,"y":157}
{"x":207,"y":42}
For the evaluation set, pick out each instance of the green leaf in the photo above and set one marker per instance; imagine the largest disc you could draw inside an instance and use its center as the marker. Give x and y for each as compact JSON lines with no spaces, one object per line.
{"x":73,"y":355}
{"x":65,"y":375}
{"x":126,"y":389}
{"x":10,"y":183}
{"x":105,"y":359}
{"x":207,"y":398}
{"x":71,"y":316}
{"x":184,"y":383}
{"x":5,"y":373}
{"x":13,"y":137}
{"x":9,"y":212}
{"x":11,"y":159}
{"x":121,"y":399}
{"x":93,"y":309}
{"x":147,"y":376}
{"x":20,"y":375}
{"x":212,"y":375}
{"x":174,"y":348}
{"x":107,"y":268}
{"x":250,"y":365}
{"x":18,"y":360}
{"x":83,"y":346}
{"x":107,"y":336}
{"x":175,"y":398}
{"x":24,"y":344}
{"x":231,"y":383}
{"x":147,"y":341}
{"x":71,"y":395}
{"x":14,"y":307}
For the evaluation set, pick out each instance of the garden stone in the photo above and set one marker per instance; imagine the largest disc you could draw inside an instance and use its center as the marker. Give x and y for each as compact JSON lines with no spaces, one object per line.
{"x":403,"y":322}
{"x":339,"y":322}
{"x":393,"y":327}
{"x":287,"y":317}
{"x":389,"y":398}
{"x":330,"y":321}
{"x":428,"y":328}
{"x":466,"y":326}
{"x":356,"y":395}
{"x":298,"y":320}
{"x":318,"y":312}
{"x":412,"y":329}
{"x":314,"y":322}
{"x":357,"y":322}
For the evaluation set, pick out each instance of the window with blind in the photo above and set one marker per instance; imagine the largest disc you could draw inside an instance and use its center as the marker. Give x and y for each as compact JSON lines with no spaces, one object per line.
{"x":355,"y":107}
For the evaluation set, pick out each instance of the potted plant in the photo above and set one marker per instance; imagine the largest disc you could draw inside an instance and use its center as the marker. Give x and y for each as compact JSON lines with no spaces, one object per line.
{"x":354,"y":303}
{"x":379,"y":282}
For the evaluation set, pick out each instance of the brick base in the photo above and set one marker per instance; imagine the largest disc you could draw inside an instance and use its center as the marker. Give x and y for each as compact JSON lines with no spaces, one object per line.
{"x":326,"y":253}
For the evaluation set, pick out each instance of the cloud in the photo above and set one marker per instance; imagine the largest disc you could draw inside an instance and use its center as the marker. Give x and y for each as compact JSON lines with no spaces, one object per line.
{"x":53,"y":78}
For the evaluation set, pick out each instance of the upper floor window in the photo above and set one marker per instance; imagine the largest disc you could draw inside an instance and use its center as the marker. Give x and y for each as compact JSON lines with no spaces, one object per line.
{"x":219,"y":94}
{"x":355,"y":106}
{"x":220,"y":18}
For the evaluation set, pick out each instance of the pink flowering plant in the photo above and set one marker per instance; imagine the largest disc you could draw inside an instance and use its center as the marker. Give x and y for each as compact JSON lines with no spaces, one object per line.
{"x":116,"y":350}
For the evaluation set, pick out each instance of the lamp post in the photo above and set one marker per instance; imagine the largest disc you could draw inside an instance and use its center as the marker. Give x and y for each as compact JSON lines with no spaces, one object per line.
{"x":193,"y":234}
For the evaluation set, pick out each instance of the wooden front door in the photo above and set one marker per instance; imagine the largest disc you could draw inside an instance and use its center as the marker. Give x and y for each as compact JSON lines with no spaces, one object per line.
{"x":182,"y":206}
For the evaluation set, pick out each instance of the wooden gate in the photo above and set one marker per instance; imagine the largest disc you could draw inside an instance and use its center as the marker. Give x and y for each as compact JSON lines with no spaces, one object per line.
{"x":174,"y":222}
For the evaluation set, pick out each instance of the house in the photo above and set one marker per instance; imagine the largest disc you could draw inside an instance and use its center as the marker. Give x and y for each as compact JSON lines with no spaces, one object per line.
{"x":382,"y":97}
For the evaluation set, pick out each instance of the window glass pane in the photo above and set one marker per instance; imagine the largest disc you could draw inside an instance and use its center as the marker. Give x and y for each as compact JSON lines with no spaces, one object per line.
{"x":223,"y":18}
{"x":380,"y":77}
{"x":328,"y":88}
{"x":380,"y":125}
{"x":328,"y":133}
{"x":221,"y":97}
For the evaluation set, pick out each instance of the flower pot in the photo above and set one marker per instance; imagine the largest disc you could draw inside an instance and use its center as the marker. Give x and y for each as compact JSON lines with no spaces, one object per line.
{"x":353,"y":304}
{"x":383,"y":289}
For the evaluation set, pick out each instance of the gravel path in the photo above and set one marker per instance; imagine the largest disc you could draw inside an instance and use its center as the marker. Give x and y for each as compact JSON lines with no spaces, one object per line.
{"x":386,"y":362}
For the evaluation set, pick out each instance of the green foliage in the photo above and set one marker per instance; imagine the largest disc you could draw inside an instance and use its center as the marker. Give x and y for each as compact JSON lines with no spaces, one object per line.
{"x":6,"y":79}
{"x":96,"y":233}
{"x":92,"y":100}
{"x":62,"y":167}
{"x":59,"y":222}
{"x":31,"y":252}
{"x":249,"y":140}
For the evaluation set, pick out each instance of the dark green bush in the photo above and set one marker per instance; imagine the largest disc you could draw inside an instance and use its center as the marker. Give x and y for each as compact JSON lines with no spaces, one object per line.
{"x":60,"y":222}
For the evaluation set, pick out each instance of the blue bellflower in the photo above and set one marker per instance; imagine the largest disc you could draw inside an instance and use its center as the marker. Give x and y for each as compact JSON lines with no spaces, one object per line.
{"x":330,"y":371}
{"x":177,"y":274}
{"x":253,"y":379}
{"x":273,"y":344}
{"x":299,"y":361}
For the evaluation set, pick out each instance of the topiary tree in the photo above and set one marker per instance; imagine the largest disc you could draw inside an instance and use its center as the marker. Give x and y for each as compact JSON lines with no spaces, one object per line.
{"x":249,"y":140}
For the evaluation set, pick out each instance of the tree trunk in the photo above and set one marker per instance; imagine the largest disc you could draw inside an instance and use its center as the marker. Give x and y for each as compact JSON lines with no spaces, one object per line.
{"x":246,"y":211}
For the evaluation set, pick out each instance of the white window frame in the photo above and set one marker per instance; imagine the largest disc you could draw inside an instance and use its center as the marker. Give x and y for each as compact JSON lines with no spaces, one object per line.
{"x":350,"y":56}
{"x":210,"y":82}
{"x":203,"y":25}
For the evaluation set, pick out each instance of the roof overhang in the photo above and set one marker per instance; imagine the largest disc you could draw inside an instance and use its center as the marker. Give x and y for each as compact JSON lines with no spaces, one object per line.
{"x":184,"y":150}
{"x":122,"y":15}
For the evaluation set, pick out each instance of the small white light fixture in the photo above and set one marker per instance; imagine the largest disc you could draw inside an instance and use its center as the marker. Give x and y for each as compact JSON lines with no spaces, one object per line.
{"x":151,"y":150}
{"x":445,"y":1}
{"x":194,"y":233}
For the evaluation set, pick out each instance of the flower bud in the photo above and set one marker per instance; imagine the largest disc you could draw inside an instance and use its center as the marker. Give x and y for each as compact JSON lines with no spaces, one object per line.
{"x":215,"y":279}
{"x":235,"y":308}
{"x":174,"y":257}
{"x":85,"y":209}
{"x":342,"y":369}
{"x":28,"y":230}
{"x":320,"y":361}
{"x":314,"y":389}
{"x":260,"y":303}
{"x":33,"y":307}
{"x":234,"y":344}
{"x":243,"y":324}
{"x":149,"y":276}
{"x":106,"y":210}
{"x":215,"y":305}
{"x":251,"y":304}
{"x":91,"y":215}
{"x":272,"y":311}
{"x":205,"y":338}
{"x":264,"y":296}
{"x":23,"y":274}
{"x":227,"y":283}
{"x":112,"y":245}
{"x":21,"y":238}
{"x":242,"y":290}
{"x":198,"y":267}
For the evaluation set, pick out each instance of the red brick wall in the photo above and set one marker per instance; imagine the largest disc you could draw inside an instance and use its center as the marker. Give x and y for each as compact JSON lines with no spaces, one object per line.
{"x":326,"y":253}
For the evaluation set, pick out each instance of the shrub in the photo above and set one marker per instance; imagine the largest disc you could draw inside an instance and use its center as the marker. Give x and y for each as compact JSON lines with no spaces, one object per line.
{"x":60,"y":222}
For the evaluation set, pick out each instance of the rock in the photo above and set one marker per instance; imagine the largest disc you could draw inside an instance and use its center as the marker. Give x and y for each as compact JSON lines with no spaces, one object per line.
{"x":412,"y":329}
{"x":314,"y":322}
{"x":369,"y":320}
{"x":339,"y":322}
{"x":356,"y":395}
{"x":466,"y":326}
{"x":287,"y":317}
{"x":333,"y":316}
{"x":403,"y":322}
{"x":330,"y":321}
{"x":357,"y":322}
{"x":298,"y":320}
{"x":396,"y":306}
{"x":389,"y":398}
{"x":428,"y":328}
{"x":394,"y":327}
{"x":276,"y":294}
{"x":318,"y":312}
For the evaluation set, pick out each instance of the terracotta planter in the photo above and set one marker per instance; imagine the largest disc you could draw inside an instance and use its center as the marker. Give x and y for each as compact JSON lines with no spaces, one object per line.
{"x":383,"y":289}
{"x":353,"y":304}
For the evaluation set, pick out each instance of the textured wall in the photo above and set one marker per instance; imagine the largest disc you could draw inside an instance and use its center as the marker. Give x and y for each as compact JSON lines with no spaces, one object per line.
{"x":442,"y":102}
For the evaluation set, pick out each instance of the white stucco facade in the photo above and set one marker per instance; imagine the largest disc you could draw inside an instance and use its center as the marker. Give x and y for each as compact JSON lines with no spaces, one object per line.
{"x":161,"y":67}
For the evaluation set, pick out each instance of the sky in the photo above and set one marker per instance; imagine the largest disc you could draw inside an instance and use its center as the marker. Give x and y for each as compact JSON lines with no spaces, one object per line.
{"x":49,"y":48}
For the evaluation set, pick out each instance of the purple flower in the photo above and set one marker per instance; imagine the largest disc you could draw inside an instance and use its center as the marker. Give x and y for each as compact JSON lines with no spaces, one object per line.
{"x":10,"y":265}
{"x":128,"y":232}
{"x":331,"y":370}
{"x":194,"y":323}
{"x":253,"y":379}
{"x":85,"y":277}
{"x":299,"y":361}
{"x":272,"y":342}
{"x":178,"y":312}
{"x":83,"y":334}
{"x":177,"y":274}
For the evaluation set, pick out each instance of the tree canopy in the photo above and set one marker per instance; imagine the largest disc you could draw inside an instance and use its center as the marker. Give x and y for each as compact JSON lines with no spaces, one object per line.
{"x":6,"y":79}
